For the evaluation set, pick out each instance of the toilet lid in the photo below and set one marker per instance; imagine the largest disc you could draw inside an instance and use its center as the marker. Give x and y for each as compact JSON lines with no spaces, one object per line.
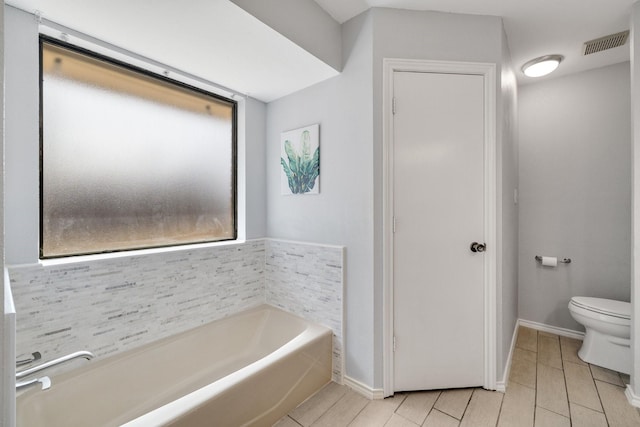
{"x":605,"y":306}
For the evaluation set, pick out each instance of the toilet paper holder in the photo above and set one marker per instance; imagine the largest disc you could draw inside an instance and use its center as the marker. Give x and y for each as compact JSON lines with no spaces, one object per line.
{"x":562,"y":260}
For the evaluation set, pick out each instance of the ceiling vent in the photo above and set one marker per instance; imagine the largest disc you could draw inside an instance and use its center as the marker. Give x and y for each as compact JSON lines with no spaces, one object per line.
{"x":606,"y":42}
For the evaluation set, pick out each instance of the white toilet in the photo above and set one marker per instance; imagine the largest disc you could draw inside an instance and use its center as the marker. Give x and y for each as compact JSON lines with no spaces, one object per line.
{"x":608,"y":331}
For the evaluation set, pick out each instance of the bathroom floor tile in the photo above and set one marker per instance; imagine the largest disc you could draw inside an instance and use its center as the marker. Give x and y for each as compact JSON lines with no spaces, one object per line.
{"x":400,"y":421}
{"x":343,"y":412}
{"x":546,"y":418}
{"x":538,"y":394}
{"x":569,"y":348}
{"x":549,"y":351}
{"x":378,"y":412}
{"x":518,"y":406}
{"x":483,"y":409}
{"x":286,"y":422}
{"x":551,"y":390}
{"x":527,"y":339}
{"x":417,"y":405}
{"x":523,"y":368}
{"x":580,"y":386}
{"x":616,"y":406}
{"x":585,"y":417}
{"x":310,"y":410}
{"x":440,"y":419}
{"x":454,"y":402}
{"x":606,"y":375}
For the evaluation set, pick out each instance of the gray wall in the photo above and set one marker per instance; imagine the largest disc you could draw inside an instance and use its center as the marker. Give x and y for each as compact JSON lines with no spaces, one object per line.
{"x":21,"y":205}
{"x":255,"y":128}
{"x":575,"y":191}
{"x":305,"y":23}
{"x":342,"y":213}
{"x":7,"y":353}
{"x":453,"y":37}
{"x":348,"y":210}
{"x":507,"y":292}
{"x":635,"y":161}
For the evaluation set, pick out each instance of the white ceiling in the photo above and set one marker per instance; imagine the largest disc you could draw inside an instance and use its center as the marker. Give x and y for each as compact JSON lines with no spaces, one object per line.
{"x":219,"y":42}
{"x":534,"y":27}
{"x":211,"y":39}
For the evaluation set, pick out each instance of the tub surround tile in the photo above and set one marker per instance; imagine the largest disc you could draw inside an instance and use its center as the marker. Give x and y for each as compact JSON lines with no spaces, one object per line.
{"x":112,"y":305}
{"x":307,"y":280}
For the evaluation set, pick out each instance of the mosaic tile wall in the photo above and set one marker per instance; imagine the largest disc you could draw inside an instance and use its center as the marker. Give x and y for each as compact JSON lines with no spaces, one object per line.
{"x":113,"y":305}
{"x":307,"y":280}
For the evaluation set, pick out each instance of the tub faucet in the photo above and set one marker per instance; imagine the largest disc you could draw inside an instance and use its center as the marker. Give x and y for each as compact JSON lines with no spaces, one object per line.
{"x":45,"y":381}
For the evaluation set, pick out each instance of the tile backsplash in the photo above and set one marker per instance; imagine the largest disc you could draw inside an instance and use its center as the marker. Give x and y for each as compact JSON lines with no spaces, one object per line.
{"x":112,"y":305}
{"x":307,"y":280}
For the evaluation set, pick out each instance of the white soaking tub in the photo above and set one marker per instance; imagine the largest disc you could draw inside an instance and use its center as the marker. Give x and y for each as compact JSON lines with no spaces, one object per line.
{"x":249,"y":369}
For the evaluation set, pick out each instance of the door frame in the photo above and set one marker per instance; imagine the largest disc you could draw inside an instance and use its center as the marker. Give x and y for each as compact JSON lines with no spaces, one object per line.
{"x":488,"y":71}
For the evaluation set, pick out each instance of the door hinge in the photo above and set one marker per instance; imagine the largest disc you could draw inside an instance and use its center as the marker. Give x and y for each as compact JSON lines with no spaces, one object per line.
{"x":394,"y":343}
{"x":393,"y":105}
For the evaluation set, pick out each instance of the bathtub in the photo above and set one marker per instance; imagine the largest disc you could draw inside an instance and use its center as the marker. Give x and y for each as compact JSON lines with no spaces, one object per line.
{"x":248,"y":369}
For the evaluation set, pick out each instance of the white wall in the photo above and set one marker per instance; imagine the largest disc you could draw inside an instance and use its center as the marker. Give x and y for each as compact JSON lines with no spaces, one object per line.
{"x":634,"y":42}
{"x":342,"y":214}
{"x":575,"y":191}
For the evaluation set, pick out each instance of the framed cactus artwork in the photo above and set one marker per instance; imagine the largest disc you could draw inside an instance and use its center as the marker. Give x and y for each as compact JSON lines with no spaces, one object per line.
{"x":300,"y":161}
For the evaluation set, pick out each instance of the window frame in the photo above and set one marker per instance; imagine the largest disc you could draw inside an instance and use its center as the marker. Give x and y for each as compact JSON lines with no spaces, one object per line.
{"x":44,"y":39}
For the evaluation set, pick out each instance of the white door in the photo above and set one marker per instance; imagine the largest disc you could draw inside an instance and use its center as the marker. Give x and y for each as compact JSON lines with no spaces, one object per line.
{"x":438,"y":202}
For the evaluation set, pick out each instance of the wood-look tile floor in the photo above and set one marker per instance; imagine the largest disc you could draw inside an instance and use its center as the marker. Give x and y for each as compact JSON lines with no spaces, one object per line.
{"x":548,"y":386}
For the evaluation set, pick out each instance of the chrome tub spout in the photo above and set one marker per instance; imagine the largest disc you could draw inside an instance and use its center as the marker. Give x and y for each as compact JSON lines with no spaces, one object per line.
{"x":60,"y":360}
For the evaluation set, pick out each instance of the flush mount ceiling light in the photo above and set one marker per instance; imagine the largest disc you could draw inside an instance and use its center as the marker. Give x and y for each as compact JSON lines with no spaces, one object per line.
{"x":541,"y":66}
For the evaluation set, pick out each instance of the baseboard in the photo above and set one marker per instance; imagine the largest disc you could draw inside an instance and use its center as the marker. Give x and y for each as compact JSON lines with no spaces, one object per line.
{"x":569,"y":333}
{"x":358,"y":387}
{"x":502,"y":384}
{"x":633,"y":398}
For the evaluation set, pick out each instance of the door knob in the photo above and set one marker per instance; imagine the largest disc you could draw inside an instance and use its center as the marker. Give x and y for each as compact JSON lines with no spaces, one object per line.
{"x":478,"y":247}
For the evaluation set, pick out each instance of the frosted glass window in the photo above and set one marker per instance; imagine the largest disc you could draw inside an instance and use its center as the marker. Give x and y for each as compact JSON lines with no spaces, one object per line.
{"x":130,"y":160}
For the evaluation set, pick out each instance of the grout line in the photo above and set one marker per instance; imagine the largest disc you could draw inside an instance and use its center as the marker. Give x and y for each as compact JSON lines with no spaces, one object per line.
{"x":295,"y":421}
